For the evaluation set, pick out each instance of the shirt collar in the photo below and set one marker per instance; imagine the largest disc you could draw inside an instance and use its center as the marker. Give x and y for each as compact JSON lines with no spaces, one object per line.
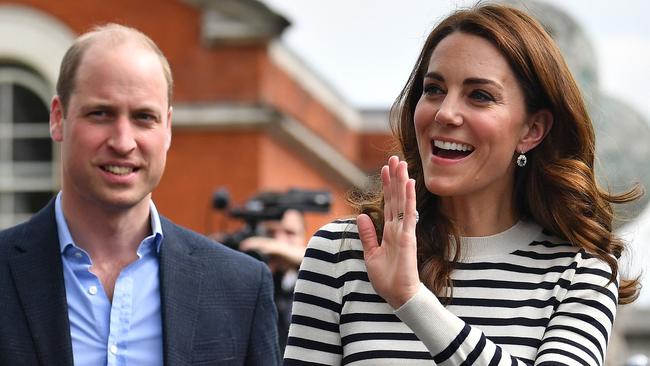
{"x":65,"y":238}
{"x":156,"y":226}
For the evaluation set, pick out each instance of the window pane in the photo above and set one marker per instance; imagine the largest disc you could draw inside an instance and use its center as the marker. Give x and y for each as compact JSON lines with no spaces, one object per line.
{"x":28,"y":107}
{"x":32,"y":149}
{"x":6,"y":205}
{"x":30,"y":202}
{"x":5,"y":103}
{"x":27,"y":174}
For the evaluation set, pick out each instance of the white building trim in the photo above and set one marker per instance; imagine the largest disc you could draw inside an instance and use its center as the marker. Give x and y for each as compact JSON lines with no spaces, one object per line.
{"x":317,"y":151}
{"x":33,"y":38}
{"x":220,"y":115}
{"x":298,"y":71}
{"x":296,"y":136}
{"x":237,"y":22}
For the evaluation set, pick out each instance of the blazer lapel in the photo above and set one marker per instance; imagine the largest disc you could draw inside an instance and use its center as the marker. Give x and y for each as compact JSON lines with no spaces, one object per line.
{"x":180,"y":279}
{"x":38,"y":275}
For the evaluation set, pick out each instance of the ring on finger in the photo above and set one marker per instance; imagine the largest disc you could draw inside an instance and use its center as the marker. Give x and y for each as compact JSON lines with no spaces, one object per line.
{"x":400,"y":216}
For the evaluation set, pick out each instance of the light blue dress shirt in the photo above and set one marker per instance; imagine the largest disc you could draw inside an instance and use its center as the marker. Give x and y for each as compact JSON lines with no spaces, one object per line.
{"x":128,"y":331}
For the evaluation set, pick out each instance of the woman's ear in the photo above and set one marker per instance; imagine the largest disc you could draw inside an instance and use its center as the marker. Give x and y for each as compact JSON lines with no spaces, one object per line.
{"x":536,"y":128}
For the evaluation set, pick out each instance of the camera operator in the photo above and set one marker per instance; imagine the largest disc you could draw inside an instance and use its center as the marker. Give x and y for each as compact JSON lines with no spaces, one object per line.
{"x":284,"y":241}
{"x":274,"y":232}
{"x":283,"y":246}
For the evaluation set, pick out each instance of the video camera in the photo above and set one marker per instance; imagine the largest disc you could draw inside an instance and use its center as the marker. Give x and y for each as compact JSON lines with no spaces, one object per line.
{"x":267,"y":206}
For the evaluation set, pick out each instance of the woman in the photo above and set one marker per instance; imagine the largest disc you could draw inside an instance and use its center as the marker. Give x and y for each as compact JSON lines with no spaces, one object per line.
{"x":500,"y":249}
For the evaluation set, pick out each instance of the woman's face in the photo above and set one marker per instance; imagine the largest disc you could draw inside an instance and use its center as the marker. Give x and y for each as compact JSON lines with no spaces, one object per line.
{"x":469,"y":120}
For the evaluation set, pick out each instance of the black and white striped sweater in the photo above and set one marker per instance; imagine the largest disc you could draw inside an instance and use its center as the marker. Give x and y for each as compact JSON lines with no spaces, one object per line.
{"x":520,"y":297}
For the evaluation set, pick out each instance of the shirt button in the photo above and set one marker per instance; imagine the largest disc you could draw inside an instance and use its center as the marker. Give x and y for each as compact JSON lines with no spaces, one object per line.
{"x":78,"y":254}
{"x":93,"y":291}
{"x":113,"y":349}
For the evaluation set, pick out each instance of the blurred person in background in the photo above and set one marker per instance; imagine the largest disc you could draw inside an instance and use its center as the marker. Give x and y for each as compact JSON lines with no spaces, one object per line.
{"x":98,"y":277}
{"x":283,"y":248}
{"x":490,"y":243}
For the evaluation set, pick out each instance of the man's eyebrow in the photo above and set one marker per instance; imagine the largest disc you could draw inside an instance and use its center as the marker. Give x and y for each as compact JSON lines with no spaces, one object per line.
{"x":147,"y":109}
{"x":96,"y":105}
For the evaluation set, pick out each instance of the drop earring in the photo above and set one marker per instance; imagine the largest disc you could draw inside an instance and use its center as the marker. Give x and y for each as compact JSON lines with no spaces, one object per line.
{"x":521,"y":160}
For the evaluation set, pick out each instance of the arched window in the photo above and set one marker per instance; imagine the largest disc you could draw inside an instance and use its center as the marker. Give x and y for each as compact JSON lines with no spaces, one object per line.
{"x":27,"y":174}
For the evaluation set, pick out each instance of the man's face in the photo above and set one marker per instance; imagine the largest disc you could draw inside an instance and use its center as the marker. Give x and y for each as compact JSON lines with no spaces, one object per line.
{"x":117,"y":128}
{"x":290,"y":230}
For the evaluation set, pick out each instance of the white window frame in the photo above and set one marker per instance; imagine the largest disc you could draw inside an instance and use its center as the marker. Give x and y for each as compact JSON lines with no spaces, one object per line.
{"x":33,"y":180}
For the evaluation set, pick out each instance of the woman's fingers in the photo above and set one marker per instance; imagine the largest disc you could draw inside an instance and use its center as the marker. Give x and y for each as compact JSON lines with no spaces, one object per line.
{"x":385,"y":180}
{"x":367,"y":234}
{"x":394,"y":177}
{"x":410,"y":213}
{"x":401,"y":177}
{"x":394,"y":197}
{"x":392,"y":191}
{"x":392,"y":265}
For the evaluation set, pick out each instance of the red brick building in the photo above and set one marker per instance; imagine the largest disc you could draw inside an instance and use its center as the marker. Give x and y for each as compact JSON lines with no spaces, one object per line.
{"x":248,"y":115}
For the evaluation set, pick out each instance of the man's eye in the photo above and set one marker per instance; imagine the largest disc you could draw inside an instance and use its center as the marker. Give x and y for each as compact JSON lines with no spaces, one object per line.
{"x":145,"y":117}
{"x":98,"y":113}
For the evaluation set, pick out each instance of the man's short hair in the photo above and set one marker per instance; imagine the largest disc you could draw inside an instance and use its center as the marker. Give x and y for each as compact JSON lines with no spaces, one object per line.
{"x":114,"y":34}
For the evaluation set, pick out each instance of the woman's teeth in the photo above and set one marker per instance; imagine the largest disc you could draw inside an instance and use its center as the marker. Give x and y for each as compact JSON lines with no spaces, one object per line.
{"x":446,"y":145}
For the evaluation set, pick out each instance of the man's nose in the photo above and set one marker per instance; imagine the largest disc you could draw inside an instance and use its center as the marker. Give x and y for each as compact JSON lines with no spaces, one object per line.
{"x":122,"y":138}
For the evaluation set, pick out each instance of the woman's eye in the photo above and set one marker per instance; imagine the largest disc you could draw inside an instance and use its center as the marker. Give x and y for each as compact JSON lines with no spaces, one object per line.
{"x":481,"y":96}
{"x":432,"y":89}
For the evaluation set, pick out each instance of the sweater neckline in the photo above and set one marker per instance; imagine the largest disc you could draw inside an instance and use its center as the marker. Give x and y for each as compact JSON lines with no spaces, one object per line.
{"x":516,"y":237}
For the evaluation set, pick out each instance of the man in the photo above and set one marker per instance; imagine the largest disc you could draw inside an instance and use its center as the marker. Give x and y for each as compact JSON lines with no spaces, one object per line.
{"x":284,"y":248}
{"x":98,"y":277}
{"x":284,"y":242}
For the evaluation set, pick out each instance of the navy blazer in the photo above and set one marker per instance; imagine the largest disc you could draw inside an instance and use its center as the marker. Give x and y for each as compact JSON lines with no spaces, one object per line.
{"x":217,"y":304}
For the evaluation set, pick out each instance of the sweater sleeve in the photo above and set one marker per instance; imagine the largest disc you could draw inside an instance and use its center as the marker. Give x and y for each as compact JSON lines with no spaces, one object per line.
{"x":580,"y":327}
{"x":314,"y":337}
{"x":576,"y":334}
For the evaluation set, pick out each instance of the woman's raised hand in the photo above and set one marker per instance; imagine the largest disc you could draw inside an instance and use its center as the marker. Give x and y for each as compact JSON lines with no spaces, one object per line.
{"x":392,"y":266}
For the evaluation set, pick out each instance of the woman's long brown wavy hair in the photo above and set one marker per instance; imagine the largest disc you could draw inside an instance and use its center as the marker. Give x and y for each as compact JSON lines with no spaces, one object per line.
{"x":557,"y":188}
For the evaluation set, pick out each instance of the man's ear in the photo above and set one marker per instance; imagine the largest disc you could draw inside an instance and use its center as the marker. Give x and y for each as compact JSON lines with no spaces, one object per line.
{"x":169,"y":128}
{"x":537,"y":127}
{"x":57,"y":115}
